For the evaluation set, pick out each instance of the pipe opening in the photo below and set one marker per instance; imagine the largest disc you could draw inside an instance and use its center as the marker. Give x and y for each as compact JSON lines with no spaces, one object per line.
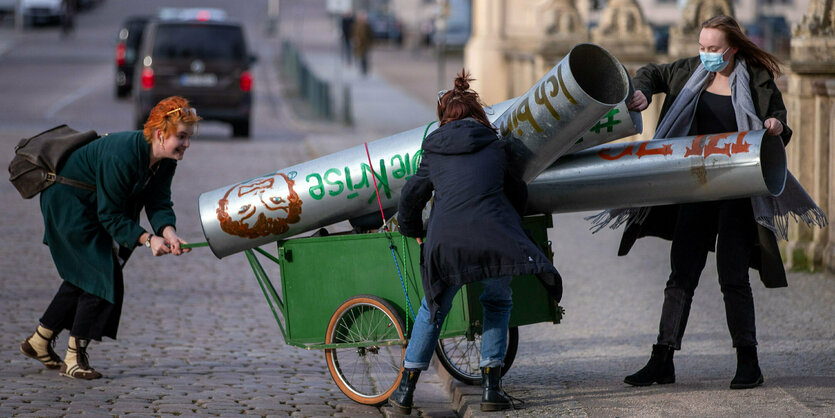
{"x":599,"y":74}
{"x":773,"y":164}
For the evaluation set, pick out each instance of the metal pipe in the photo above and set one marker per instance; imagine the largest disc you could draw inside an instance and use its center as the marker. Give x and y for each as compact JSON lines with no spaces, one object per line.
{"x":305,"y":196}
{"x":313,"y":194}
{"x":616,"y":124}
{"x":339,"y":186}
{"x":550,"y":117}
{"x":663,"y":171}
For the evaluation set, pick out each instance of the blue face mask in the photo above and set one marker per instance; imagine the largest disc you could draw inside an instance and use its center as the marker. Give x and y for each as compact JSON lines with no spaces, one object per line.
{"x":714,"y":61}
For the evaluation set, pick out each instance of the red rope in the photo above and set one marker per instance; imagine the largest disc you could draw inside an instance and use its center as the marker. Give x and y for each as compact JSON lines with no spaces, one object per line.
{"x":373,"y":177}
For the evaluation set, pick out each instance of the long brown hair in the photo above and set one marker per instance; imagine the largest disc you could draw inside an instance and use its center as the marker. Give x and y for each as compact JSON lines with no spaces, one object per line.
{"x":746,"y":49}
{"x":461,"y":102}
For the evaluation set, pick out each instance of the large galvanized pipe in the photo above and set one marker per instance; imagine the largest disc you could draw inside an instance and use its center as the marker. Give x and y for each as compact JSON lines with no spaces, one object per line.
{"x":663,"y":171}
{"x":616,"y":124}
{"x":340,"y":186}
{"x":320,"y":192}
{"x":557,"y":111}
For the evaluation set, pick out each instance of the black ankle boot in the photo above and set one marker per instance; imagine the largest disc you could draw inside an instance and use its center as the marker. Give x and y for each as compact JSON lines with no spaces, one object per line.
{"x":401,"y":398}
{"x":659,"y":369}
{"x":493,"y":397}
{"x":748,"y":373}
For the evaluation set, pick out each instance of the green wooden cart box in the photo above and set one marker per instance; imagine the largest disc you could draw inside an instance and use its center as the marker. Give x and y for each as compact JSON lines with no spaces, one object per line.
{"x":347,"y":294}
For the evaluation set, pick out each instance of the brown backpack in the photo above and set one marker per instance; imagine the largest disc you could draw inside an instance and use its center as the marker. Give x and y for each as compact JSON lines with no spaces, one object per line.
{"x":38,"y":159}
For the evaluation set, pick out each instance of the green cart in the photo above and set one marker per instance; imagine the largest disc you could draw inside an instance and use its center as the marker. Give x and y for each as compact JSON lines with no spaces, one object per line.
{"x":355,"y":297}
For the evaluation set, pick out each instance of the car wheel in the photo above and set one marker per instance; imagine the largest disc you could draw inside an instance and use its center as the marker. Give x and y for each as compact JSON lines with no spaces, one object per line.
{"x":240,"y":129}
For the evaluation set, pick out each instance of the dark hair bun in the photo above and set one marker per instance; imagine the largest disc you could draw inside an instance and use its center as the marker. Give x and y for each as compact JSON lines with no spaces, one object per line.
{"x":462,"y":81}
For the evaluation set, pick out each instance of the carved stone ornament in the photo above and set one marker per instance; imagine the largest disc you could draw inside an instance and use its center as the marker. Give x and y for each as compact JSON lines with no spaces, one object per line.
{"x":560,"y":18}
{"x":819,"y":19}
{"x":813,"y":41}
{"x":697,"y":11}
{"x":624,"y":31}
{"x":684,"y":36}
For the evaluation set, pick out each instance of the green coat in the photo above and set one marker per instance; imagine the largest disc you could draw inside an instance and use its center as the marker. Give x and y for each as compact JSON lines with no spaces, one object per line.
{"x":80,"y":227}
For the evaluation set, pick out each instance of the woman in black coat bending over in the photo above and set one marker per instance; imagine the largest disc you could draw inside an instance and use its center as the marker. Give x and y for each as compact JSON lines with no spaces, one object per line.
{"x":474,"y":234}
{"x":729,"y":87}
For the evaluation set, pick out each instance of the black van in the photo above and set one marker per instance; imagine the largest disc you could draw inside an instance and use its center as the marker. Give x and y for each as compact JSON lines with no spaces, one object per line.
{"x":205,"y":61}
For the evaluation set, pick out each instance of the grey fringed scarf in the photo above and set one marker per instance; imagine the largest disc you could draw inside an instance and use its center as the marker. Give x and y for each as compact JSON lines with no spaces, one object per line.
{"x":771,"y":212}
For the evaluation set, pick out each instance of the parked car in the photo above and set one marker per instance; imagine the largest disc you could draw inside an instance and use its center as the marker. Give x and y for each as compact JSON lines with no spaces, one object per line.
{"x":206,"y":61}
{"x":7,"y":7}
{"x":128,"y":42}
{"x":385,"y":26}
{"x":42,"y":11}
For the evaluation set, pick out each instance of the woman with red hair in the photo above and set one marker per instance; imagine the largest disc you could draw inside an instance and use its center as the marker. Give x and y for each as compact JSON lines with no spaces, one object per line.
{"x":92,"y":231}
{"x":475,"y":234}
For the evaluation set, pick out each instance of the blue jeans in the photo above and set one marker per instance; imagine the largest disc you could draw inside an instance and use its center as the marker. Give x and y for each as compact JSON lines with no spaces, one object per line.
{"x":496,"y":302}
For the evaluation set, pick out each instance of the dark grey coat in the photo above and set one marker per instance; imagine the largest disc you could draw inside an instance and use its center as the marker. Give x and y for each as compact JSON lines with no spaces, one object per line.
{"x":475,"y":228}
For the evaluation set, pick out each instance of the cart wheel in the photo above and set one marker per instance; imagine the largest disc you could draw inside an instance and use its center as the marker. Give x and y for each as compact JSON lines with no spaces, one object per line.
{"x":367,"y":374}
{"x":461,"y":357}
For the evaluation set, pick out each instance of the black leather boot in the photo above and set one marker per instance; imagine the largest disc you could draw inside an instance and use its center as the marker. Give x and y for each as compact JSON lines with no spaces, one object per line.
{"x":748,"y":373}
{"x":401,"y":398}
{"x":493,"y":397}
{"x":659,"y":369}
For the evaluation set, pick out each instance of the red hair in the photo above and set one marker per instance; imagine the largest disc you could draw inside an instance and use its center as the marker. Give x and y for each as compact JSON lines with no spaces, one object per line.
{"x":164,"y":117}
{"x":461,"y":102}
{"x":746,"y":49}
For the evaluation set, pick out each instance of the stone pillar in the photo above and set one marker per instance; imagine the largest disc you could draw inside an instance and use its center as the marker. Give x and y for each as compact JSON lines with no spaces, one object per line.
{"x":484,"y":54}
{"x":829,"y":249}
{"x":808,"y":160}
{"x":684,"y":37}
{"x":810,"y":110}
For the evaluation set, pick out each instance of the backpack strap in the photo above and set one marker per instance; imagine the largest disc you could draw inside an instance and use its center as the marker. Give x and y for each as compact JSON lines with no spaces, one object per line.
{"x":70,"y":182}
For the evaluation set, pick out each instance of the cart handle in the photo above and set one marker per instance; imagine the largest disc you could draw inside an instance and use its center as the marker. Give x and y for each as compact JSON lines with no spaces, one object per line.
{"x":194,"y":245}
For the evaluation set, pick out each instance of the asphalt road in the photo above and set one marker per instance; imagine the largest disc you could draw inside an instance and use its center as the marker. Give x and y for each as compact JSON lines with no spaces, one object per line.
{"x":46,"y":79}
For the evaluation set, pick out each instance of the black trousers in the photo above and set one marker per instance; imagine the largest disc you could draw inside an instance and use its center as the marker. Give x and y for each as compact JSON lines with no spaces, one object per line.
{"x":85,"y":315}
{"x":696,"y":230}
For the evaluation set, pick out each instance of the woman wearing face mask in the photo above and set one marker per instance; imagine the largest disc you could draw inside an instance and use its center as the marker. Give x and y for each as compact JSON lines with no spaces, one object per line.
{"x":90,"y":233}
{"x":729,"y":87}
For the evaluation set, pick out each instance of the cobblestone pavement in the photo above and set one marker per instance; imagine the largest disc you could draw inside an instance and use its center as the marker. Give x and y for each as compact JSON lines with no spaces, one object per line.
{"x":197,"y":337}
{"x":613,"y":306}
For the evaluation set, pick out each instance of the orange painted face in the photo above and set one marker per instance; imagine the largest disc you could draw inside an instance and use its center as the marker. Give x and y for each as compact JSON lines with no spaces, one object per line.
{"x":260,"y":207}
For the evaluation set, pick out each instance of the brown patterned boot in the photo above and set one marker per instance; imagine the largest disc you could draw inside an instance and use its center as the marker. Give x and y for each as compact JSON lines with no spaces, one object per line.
{"x":76,"y":364}
{"x":39,"y":347}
